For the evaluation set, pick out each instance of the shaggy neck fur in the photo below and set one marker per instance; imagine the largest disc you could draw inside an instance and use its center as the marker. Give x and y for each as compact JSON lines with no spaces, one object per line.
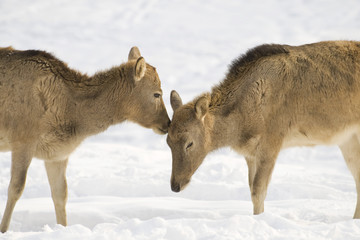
{"x":219,"y":130}
{"x":225,"y":97}
{"x":101,"y":100}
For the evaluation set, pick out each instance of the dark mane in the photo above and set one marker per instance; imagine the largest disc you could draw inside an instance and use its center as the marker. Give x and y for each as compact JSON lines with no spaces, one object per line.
{"x":50,"y":62}
{"x":255,"y":54}
{"x":70,"y":76}
{"x":35,"y":53}
{"x":223,"y":92}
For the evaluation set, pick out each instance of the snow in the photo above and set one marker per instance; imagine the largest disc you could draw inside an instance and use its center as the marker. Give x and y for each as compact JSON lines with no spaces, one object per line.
{"x":119,"y":180}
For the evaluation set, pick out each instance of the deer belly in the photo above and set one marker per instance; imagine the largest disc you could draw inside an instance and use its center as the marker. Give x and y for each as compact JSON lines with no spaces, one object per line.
{"x":321,"y":137}
{"x":4,"y":144}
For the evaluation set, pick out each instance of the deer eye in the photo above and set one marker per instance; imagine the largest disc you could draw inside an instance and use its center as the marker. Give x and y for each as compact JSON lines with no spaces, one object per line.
{"x":189,"y":145}
{"x":157,"y":95}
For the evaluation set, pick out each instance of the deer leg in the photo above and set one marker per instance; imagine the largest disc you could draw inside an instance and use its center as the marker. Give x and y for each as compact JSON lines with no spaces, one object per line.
{"x":56,"y":172}
{"x":251,"y":171}
{"x":261,"y":181}
{"x":351,"y":153}
{"x":20,"y":161}
{"x":264,"y":162}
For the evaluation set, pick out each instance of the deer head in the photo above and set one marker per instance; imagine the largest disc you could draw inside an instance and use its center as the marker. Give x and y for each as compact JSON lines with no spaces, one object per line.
{"x":146,"y":103}
{"x":187,"y":138}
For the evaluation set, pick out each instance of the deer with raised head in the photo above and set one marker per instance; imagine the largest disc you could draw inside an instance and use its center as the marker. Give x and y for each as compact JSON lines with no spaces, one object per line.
{"x":273,"y":97}
{"x":48,"y":109}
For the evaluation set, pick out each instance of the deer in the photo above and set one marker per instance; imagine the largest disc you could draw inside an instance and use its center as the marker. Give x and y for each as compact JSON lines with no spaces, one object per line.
{"x":272,"y":97}
{"x":47,"y":109}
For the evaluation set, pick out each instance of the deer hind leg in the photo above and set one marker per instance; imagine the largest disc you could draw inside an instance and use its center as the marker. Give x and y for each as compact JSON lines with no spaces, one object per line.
{"x":56,"y":172}
{"x":20,"y":161}
{"x":351,"y":153}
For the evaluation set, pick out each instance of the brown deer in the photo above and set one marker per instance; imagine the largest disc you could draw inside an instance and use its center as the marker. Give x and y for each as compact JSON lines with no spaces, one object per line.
{"x":273,"y":97}
{"x":48,"y":109}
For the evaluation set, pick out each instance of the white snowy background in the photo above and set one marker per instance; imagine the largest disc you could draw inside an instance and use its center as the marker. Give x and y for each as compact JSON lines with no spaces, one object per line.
{"x":119,"y":180}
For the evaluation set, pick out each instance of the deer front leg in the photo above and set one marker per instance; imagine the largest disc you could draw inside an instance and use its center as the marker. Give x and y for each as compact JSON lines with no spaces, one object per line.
{"x":251,"y":170}
{"x":56,"y":172}
{"x":20,"y":160}
{"x":264,"y":165}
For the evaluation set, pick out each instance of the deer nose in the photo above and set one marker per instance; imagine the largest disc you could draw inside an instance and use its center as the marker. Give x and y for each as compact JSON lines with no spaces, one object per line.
{"x":175,"y":187}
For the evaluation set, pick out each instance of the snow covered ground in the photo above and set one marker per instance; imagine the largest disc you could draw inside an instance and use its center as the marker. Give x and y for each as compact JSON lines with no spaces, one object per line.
{"x":119,"y":180}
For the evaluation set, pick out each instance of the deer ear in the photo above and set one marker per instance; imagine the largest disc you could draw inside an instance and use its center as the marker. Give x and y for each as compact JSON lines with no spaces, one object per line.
{"x":201,"y":107}
{"x":140,"y":69}
{"x":175,"y":100}
{"x":134,"y":53}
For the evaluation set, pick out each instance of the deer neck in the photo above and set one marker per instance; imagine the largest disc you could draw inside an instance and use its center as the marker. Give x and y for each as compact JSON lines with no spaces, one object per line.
{"x":104,"y":102}
{"x":220,"y":130}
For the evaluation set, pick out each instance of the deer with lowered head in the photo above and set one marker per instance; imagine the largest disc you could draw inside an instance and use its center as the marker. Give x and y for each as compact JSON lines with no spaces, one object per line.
{"x":48,"y":109}
{"x":273,"y":97}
